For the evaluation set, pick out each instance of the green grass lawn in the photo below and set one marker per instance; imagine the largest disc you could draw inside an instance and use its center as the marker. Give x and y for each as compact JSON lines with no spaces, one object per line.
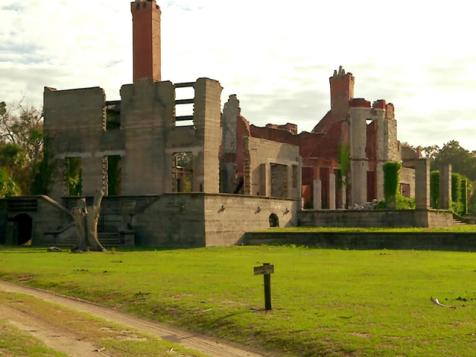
{"x":463,"y":228}
{"x":326,"y":302}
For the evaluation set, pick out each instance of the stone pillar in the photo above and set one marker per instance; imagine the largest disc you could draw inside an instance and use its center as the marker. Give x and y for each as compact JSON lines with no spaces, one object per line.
{"x":207,"y":121}
{"x":445,"y":186}
{"x":380,"y":182}
{"x":422,"y":184}
{"x":332,"y":189}
{"x":359,"y":112}
{"x":93,"y":174}
{"x":290,"y":182}
{"x":358,"y":183}
{"x":343,"y":188}
{"x":59,"y":188}
{"x":317,"y":194}
{"x":299,"y":187}
{"x":267,"y":179}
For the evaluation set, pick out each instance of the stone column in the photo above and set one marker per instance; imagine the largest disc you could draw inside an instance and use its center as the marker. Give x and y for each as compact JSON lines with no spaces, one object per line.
{"x":343,"y":188}
{"x":317,"y":194}
{"x":445,"y":186}
{"x":358,"y":183}
{"x":59,"y":187}
{"x":380,"y":182}
{"x":359,"y":112}
{"x":299,"y":187}
{"x":207,"y":121}
{"x":422,"y":184}
{"x":93,"y":174}
{"x":291,"y":189}
{"x":332,"y":189}
{"x":267,"y":179}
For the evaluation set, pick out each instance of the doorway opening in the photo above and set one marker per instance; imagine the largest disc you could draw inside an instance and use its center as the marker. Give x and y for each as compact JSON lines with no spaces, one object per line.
{"x":24,"y":229}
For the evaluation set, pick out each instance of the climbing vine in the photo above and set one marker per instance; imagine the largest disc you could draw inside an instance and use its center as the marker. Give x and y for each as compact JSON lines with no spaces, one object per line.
{"x":459,"y":194}
{"x":435,"y":189}
{"x":391,"y":177}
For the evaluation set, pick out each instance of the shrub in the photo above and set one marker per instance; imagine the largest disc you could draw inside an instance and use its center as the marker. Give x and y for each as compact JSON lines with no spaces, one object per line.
{"x":459,"y":194}
{"x":391,"y":177}
{"x":405,"y":202}
{"x":8,"y":186}
{"x":401,"y":202}
{"x":435,"y":189}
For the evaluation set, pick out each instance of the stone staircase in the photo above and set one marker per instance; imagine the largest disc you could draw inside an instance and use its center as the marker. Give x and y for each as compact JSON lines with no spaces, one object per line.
{"x":111,"y":239}
{"x":107,"y":239}
{"x":460,"y":221}
{"x":470,"y":219}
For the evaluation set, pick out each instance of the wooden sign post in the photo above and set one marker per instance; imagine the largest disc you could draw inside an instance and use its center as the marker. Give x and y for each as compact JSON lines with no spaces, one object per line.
{"x":266,"y":270}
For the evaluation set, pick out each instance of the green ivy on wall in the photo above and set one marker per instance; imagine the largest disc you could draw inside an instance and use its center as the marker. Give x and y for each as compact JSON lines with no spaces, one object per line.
{"x":459,"y":194}
{"x":435,"y":189}
{"x":391,"y":180}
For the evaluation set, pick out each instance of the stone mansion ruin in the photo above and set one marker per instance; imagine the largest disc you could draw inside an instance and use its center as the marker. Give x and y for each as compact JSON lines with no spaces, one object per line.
{"x":206,"y":178}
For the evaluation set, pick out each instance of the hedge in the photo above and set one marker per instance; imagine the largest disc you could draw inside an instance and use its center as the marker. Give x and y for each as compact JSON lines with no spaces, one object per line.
{"x":435,"y":189}
{"x":391,"y":179}
{"x":459,"y":194}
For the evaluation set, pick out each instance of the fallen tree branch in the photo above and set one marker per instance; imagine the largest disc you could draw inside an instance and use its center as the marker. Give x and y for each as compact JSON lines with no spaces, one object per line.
{"x":437,"y":302}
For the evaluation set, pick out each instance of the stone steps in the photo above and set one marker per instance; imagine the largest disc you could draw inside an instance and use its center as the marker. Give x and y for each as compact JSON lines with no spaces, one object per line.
{"x":107,"y":239}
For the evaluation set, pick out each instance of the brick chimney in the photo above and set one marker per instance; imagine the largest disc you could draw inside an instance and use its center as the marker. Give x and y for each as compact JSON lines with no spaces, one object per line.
{"x":146,"y":39}
{"x":342,"y":91}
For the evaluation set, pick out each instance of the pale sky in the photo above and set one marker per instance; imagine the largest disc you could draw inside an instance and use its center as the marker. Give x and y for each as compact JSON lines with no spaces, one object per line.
{"x":275,"y":55}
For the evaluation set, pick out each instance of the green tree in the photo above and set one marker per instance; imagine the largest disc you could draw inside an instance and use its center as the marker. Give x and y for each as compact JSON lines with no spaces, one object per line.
{"x":391,"y":180}
{"x":462,"y":161}
{"x":8,"y":187}
{"x":21,"y":143}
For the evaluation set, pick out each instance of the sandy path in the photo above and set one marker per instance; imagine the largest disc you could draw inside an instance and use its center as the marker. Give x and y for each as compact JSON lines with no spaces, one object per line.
{"x":206,"y":345}
{"x":54,"y":338}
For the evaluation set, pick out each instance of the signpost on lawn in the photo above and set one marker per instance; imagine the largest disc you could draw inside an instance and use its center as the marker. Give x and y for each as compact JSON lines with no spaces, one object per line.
{"x":266,"y":270}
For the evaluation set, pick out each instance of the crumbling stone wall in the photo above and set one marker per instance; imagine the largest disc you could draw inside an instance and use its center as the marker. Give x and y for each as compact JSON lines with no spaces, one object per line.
{"x":279,"y":181}
{"x":260,"y":179}
{"x":200,"y":219}
{"x":407,"y":177}
{"x":146,"y":140}
{"x":74,"y":127}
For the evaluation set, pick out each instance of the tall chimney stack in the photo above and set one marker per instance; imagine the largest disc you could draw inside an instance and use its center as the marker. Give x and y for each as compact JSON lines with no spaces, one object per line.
{"x":146,"y":40}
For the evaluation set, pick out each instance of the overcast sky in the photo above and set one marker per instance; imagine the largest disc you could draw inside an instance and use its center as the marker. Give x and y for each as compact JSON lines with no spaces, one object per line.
{"x":275,"y":55}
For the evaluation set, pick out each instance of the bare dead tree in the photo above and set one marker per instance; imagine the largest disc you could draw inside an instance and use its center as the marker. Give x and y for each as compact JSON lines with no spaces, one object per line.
{"x":86,"y":222}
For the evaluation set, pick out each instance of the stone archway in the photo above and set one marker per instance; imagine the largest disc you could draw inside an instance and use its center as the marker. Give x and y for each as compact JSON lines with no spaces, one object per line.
{"x":273,"y":220}
{"x":24,"y":228}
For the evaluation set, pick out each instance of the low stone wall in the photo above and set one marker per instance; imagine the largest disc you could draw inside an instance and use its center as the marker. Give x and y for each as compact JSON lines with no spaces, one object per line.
{"x":375,"y":218}
{"x":228,"y":217}
{"x":172,"y":220}
{"x":199,"y":219}
{"x":46,"y":216}
{"x":169,"y":220}
{"x":377,"y":240}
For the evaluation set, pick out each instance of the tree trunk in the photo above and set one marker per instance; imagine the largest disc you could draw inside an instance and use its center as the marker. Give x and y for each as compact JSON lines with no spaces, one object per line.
{"x":92,"y":223}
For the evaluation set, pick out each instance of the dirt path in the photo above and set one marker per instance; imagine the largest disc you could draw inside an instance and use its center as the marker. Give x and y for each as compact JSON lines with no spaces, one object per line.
{"x":54,"y":338}
{"x":196,"y":342}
